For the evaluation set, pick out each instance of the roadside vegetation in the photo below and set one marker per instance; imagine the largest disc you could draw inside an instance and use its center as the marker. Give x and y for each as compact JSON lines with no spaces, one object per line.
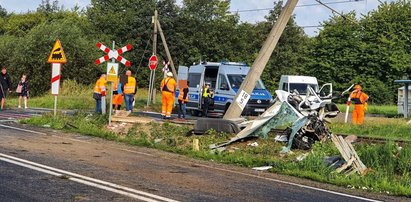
{"x":381,"y":110}
{"x":75,"y":96}
{"x":389,"y":163}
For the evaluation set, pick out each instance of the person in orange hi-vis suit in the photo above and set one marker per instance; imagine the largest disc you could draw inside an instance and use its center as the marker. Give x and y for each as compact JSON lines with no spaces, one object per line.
{"x":117,"y":95}
{"x":167,"y":87}
{"x":359,"y":98}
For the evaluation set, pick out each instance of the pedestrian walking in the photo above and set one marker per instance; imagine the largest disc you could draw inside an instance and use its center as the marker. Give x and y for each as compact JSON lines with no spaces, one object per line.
{"x":359,"y":98}
{"x":182,"y":101}
{"x":167,"y":87}
{"x":100,"y":92}
{"x":5,"y":86}
{"x":22,"y":91}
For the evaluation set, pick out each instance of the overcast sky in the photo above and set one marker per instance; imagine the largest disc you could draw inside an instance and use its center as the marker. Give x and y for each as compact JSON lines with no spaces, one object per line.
{"x":305,"y":15}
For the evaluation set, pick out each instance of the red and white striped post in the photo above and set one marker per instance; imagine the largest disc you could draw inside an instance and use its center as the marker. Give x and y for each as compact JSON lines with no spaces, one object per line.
{"x":55,"y":82}
{"x":56,"y":58}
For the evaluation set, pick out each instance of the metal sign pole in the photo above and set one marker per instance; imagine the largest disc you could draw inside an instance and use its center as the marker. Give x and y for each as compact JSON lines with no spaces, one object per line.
{"x":55,"y":105}
{"x":111,"y":93}
{"x":149,"y":89}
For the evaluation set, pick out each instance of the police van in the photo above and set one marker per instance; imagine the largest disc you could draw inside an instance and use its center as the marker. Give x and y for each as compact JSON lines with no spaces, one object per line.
{"x":225,"y":79}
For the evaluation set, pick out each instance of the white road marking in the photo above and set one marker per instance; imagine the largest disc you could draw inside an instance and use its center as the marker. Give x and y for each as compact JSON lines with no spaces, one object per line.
{"x":290,"y":183}
{"x":230,"y":171}
{"x":21,"y":129}
{"x":85,"y":180}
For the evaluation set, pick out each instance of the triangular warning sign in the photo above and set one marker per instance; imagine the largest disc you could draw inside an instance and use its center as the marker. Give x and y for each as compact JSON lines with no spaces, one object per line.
{"x":57,"y":54}
{"x":112,"y":71}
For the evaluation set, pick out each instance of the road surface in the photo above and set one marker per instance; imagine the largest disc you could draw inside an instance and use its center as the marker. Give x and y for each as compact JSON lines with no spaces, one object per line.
{"x":48,"y":165}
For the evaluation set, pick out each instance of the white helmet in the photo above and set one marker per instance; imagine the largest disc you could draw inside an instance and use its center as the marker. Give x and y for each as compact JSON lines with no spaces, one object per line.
{"x":169,"y":74}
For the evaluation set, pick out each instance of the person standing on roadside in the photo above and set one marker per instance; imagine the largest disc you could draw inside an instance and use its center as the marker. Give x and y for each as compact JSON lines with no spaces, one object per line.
{"x":130,"y":89}
{"x":167,"y":87}
{"x":360,"y":100}
{"x":207,"y":97}
{"x":99,"y":92}
{"x":117,"y":95}
{"x":23,"y":90}
{"x":182,"y":101}
{"x":5,"y":85}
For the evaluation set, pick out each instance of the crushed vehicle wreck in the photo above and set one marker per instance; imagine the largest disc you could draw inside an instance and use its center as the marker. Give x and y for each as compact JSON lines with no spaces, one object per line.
{"x":303,"y":120}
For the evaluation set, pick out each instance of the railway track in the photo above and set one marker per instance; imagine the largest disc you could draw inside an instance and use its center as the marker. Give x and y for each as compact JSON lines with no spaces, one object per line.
{"x":360,"y":139}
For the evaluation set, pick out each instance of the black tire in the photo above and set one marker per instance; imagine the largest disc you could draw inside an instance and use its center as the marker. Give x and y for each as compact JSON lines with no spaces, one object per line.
{"x":194,"y":112}
{"x":226,"y":108}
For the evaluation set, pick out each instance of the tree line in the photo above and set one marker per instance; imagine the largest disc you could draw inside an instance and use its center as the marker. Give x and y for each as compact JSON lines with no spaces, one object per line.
{"x":374,"y":49}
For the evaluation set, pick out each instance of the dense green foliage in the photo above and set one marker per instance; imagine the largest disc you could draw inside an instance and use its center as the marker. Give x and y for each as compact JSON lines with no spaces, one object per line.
{"x":373,"y":49}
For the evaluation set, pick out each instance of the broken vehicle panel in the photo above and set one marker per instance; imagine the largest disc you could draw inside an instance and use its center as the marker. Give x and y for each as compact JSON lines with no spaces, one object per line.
{"x":304,"y":119}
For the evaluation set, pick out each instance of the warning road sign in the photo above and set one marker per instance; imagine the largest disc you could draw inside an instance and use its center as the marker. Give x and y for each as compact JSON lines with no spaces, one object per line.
{"x":57,"y":54}
{"x":114,"y":54}
{"x":112,"y":72}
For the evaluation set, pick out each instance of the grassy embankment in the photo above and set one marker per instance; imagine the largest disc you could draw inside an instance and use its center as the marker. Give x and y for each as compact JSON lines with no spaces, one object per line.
{"x":78,"y":97}
{"x":390,"y":163}
{"x":383,"y":110}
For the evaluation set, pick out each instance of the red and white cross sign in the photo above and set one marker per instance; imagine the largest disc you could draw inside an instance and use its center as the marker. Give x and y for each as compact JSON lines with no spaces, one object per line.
{"x":114,"y":54}
{"x":165,"y":68}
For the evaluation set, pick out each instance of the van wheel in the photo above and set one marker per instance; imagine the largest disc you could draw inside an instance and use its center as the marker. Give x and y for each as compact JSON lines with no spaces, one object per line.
{"x":194,"y":112}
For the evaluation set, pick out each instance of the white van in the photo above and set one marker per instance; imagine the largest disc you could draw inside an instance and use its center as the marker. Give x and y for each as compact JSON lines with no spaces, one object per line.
{"x":292,"y":83}
{"x":225,"y":79}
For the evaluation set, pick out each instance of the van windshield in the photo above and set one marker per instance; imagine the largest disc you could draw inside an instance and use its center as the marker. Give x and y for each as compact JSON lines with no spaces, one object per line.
{"x":237,"y":79}
{"x":302,"y":87}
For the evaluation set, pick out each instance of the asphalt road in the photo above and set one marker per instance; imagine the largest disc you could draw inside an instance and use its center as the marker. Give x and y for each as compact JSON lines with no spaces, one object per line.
{"x":166,"y":176}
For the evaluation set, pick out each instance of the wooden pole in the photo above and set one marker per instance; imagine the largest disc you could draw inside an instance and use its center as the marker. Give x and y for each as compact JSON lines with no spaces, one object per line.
{"x":167,"y":50}
{"x":248,"y":85}
{"x":152,"y":72}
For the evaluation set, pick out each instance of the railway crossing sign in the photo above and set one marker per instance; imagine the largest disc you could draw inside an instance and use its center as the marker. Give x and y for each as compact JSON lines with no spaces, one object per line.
{"x":57,"y":54}
{"x":56,"y":58}
{"x":114,"y":54}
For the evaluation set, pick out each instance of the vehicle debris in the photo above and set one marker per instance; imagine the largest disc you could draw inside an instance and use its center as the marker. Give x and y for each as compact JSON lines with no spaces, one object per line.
{"x":303,"y":119}
{"x":254,"y":144}
{"x":353,"y":161}
{"x":262,"y":168}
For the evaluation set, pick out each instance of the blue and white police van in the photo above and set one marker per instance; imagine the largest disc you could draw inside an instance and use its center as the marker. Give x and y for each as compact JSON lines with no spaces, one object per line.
{"x":225,"y":79}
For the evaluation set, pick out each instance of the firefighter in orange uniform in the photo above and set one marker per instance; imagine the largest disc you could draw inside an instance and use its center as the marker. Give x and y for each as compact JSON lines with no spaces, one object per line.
{"x":167,"y":87}
{"x":359,"y":98}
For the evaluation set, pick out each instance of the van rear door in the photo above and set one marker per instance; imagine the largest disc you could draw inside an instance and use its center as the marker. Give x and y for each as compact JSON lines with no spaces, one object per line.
{"x":182,"y":73}
{"x":196,"y":81}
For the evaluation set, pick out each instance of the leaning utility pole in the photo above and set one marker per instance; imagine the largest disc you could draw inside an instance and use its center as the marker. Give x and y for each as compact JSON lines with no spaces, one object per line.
{"x":167,"y":50}
{"x":246,"y":88}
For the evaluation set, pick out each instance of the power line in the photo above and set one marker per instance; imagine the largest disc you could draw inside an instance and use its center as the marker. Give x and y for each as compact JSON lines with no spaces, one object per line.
{"x":303,"y":5}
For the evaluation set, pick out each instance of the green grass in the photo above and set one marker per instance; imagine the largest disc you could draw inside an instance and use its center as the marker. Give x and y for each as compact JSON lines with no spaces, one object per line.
{"x":384,"y":110}
{"x":390,"y":164}
{"x":74,"y":96}
{"x":389,"y":128}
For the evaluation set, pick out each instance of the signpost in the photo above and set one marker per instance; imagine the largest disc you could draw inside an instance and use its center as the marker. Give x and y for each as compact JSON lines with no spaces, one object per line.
{"x":153,"y":62}
{"x":56,"y":58}
{"x":112,"y":69}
